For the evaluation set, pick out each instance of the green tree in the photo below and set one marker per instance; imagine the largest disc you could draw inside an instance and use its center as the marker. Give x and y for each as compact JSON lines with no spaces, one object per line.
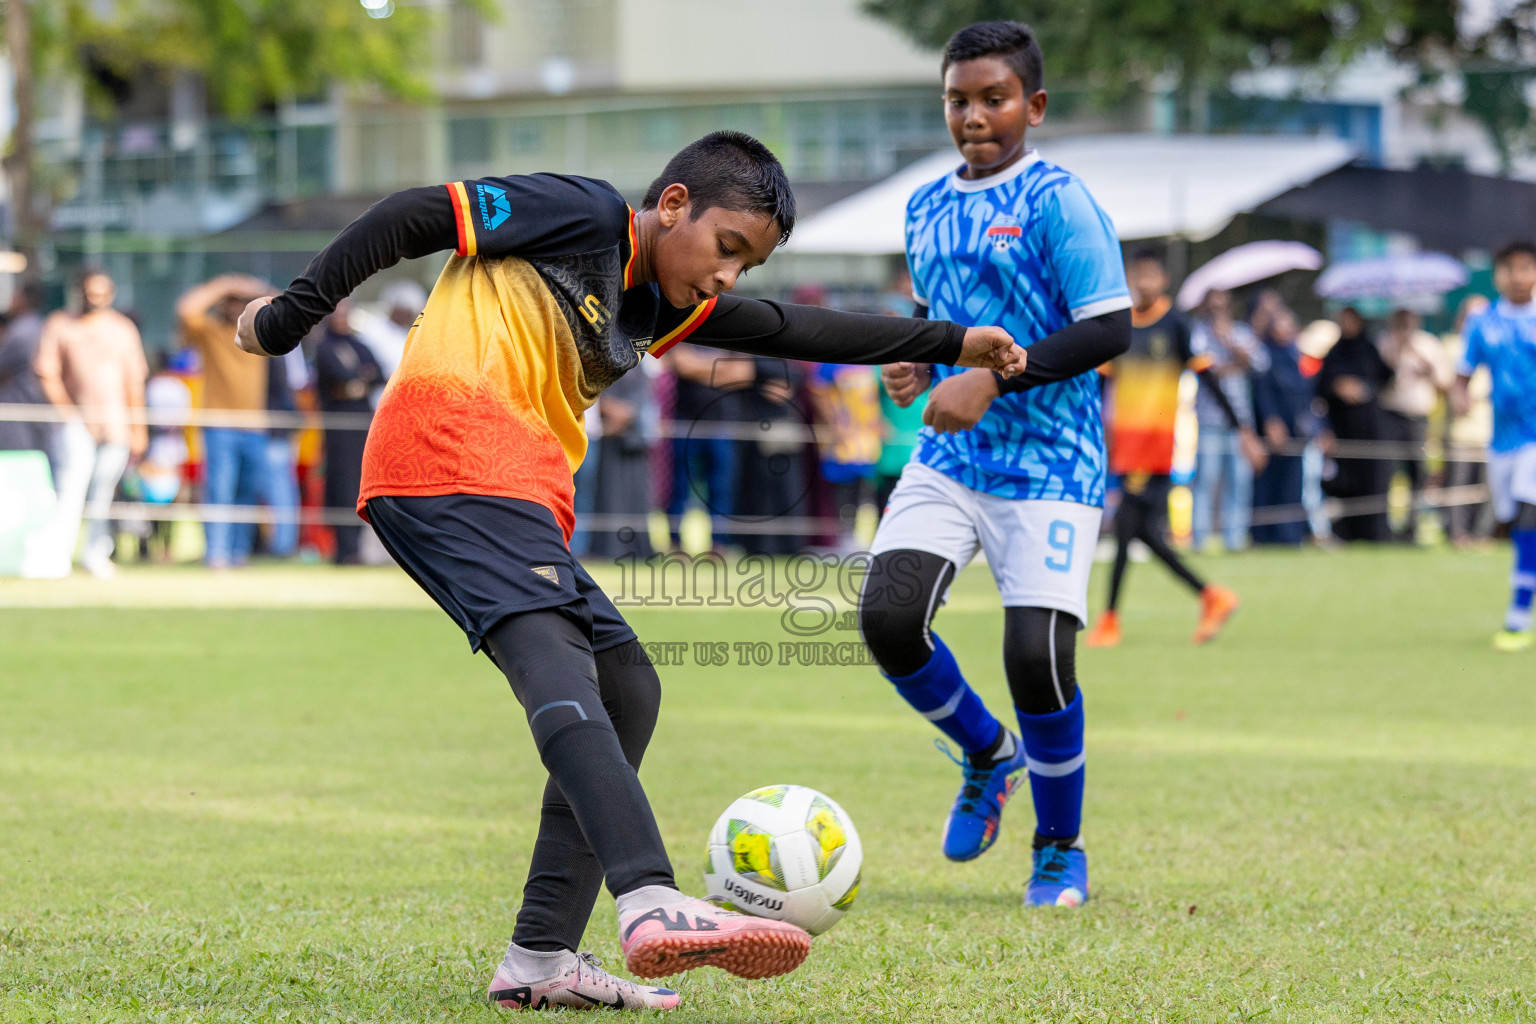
{"x":1120,"y":47}
{"x":250,"y":53}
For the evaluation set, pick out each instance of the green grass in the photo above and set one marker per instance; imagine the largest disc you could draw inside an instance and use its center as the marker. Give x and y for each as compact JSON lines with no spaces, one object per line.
{"x":257,"y":814}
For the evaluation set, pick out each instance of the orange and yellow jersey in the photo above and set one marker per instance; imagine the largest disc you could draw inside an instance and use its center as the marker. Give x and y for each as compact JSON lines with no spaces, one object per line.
{"x":511,"y":350}
{"x":535,"y":314}
{"x":1144,"y":393}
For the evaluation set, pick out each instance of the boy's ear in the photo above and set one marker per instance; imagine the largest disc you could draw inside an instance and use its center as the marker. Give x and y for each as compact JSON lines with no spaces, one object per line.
{"x":673,"y":205}
{"x":1036,"y":103}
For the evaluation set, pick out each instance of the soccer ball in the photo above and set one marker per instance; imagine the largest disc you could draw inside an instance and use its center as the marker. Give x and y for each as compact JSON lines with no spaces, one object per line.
{"x":785,"y":852}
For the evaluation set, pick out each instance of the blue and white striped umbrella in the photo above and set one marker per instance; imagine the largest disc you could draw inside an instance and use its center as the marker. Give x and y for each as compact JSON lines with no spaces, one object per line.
{"x":1412,"y":275}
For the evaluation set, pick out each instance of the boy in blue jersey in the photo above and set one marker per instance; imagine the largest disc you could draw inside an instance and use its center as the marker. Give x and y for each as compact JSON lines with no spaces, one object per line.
{"x":1503,"y":338}
{"x":1014,"y":468}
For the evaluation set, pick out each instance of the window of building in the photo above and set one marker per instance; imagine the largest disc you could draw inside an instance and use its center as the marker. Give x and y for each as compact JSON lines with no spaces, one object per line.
{"x":661,"y":130}
{"x":525,"y":138}
{"x":469,"y":140}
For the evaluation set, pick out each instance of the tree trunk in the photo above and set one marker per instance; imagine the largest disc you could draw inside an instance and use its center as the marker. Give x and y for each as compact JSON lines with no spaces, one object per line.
{"x":25,"y":227}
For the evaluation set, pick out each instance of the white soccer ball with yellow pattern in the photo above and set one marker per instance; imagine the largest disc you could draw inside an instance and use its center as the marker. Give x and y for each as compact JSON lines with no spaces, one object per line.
{"x":785,"y":852}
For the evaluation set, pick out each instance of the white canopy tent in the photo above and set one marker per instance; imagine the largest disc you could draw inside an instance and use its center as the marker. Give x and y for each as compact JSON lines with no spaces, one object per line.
{"x":1151,"y":186}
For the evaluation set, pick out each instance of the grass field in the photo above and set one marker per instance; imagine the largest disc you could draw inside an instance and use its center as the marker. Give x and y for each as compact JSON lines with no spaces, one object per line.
{"x":252,"y":813}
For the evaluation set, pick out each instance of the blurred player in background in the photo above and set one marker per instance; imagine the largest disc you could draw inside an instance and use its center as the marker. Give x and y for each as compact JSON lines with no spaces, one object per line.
{"x":1143,"y":411}
{"x":555,"y":291}
{"x":1504,"y":339}
{"x":1012,"y":467}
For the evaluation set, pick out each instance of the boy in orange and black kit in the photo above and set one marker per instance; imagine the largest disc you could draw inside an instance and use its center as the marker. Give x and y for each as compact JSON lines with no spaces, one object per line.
{"x":1143,"y":408}
{"x":556,"y":289}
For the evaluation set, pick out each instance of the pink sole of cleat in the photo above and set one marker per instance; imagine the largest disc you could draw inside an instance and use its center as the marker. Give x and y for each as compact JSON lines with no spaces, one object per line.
{"x":747,"y":953}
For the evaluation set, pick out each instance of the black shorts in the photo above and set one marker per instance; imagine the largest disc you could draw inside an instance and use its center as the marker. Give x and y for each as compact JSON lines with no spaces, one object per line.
{"x":483,"y":558}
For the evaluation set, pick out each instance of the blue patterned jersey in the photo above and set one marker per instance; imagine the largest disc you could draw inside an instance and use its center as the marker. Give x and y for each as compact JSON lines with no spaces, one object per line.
{"x":1504,"y":339}
{"x":1027,"y":250}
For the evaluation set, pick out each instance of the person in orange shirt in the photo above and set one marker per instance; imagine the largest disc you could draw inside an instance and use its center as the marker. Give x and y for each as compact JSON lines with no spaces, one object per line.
{"x":1142,"y":410}
{"x":556,"y":289}
{"x":242,"y":465}
{"x":92,"y":368}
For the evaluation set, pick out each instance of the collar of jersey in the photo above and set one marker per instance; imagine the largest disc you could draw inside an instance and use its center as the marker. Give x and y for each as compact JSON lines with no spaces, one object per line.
{"x":1031,"y":157}
{"x":1514,"y":309}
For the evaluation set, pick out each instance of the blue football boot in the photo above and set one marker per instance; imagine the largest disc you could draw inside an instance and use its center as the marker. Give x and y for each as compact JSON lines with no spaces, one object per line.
{"x":1060,"y":878}
{"x":973,"y":821}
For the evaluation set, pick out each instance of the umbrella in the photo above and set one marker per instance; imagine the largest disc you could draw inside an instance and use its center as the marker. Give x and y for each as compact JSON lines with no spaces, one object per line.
{"x":1245,"y":265}
{"x":1393,"y":277}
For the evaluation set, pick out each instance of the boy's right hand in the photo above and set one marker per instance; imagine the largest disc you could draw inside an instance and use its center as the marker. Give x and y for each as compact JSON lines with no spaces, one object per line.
{"x":904,"y":382}
{"x":991,"y":348}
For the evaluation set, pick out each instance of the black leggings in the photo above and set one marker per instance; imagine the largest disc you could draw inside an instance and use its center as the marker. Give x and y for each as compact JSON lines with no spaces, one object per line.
{"x":591,"y":716}
{"x":901,"y":595}
{"x":1143,"y":515}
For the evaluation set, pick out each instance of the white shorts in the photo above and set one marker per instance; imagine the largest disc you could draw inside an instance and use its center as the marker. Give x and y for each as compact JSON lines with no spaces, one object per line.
{"x":1512,"y":479}
{"x":1040,"y":552}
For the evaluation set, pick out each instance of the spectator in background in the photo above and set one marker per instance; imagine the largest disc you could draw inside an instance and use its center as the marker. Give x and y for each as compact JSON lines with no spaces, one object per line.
{"x":385,"y":335}
{"x":771,"y":479}
{"x":627,"y":411}
{"x":162,"y":471}
{"x":1468,"y":434}
{"x":1421,"y":374}
{"x":847,"y":401}
{"x":1351,"y":380}
{"x":19,"y":384}
{"x":242,"y":465}
{"x":899,"y":429}
{"x":1223,"y":484}
{"x":92,"y":368}
{"x":585,"y":482}
{"x":899,"y":426}
{"x":1282,"y":399}
{"x":707,"y":397}
{"x":346,"y":373}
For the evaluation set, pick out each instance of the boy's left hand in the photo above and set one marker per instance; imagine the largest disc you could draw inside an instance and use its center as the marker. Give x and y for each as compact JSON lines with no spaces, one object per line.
{"x":958,"y":403}
{"x":245,"y":330}
{"x":992,"y":348}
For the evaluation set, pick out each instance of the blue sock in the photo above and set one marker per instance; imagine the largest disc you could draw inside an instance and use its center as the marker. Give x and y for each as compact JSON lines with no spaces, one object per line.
{"x":1053,"y":744}
{"x":1522,"y":582}
{"x":939,"y":693}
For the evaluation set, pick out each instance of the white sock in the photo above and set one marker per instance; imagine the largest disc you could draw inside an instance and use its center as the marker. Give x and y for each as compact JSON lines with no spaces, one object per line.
{"x":651,"y":897}
{"x":531,"y":965}
{"x":1005,"y":751}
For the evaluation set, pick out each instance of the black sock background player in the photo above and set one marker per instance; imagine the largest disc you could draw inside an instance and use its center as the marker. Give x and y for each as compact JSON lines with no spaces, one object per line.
{"x":1140,"y":417}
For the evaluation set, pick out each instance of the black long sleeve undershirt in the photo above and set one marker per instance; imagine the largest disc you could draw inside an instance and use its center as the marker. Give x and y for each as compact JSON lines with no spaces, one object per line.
{"x":1086,"y":345}
{"x":763,"y":328}
{"x":420,"y":221}
{"x":1075,"y":349}
{"x":406,"y":225}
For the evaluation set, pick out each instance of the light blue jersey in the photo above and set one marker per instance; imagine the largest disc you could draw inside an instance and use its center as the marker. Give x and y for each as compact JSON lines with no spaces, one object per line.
{"x":1504,"y":339}
{"x":1027,"y":250}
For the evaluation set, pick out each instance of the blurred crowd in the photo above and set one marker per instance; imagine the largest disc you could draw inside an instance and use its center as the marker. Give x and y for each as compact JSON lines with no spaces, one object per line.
{"x":778,"y":455}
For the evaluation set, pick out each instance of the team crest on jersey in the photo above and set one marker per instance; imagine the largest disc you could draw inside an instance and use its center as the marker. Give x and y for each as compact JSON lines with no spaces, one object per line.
{"x":1005,"y":232}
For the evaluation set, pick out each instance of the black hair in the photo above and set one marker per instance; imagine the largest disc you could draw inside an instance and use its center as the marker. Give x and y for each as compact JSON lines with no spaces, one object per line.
{"x":1147,"y":254}
{"x":733,"y":171}
{"x":1513,"y":249}
{"x":1013,"y":41}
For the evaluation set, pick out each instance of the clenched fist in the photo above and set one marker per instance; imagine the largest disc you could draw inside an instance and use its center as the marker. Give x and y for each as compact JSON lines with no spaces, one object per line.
{"x":245,"y":331}
{"x":992,"y":348}
{"x":959,"y":402}
{"x":904,"y":382}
